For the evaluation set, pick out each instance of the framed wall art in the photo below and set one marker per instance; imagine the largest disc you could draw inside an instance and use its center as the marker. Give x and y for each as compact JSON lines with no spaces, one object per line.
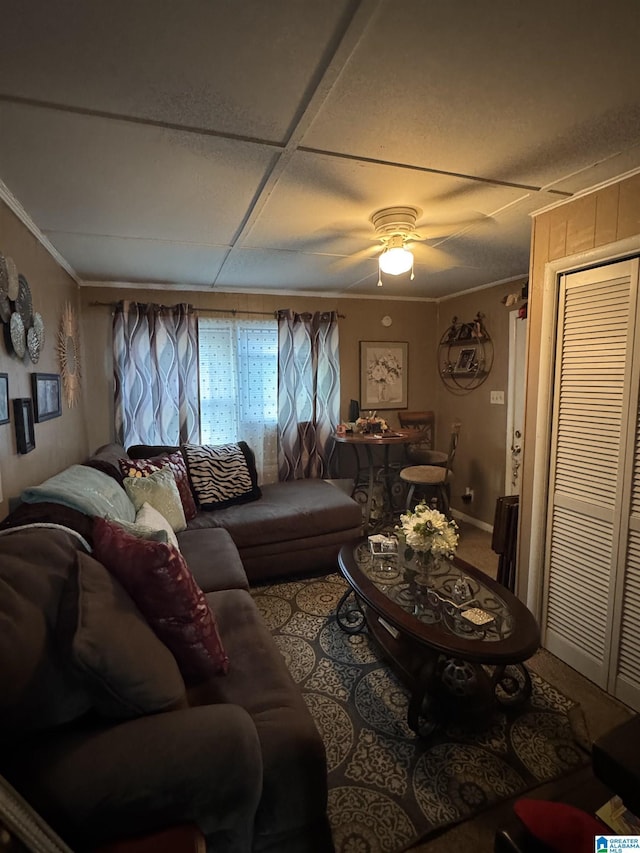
{"x":4,"y":398}
{"x":466,"y":360}
{"x":23,"y":417}
{"x":383,"y":374}
{"x":47,"y":399}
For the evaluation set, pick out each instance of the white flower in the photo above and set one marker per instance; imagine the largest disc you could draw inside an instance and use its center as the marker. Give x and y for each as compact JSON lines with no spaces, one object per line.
{"x":384,"y":368}
{"x":430,"y":531}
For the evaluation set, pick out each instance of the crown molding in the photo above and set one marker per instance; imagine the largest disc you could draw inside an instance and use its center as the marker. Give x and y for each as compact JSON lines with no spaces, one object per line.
{"x":14,"y":205}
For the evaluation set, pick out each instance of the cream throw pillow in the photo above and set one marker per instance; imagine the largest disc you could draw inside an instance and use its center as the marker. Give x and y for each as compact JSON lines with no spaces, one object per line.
{"x":148,"y":516}
{"x":158,"y":489}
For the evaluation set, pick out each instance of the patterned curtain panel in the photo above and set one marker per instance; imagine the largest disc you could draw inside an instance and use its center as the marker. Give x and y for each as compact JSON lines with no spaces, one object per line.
{"x":308,"y":392}
{"x":155,"y":365}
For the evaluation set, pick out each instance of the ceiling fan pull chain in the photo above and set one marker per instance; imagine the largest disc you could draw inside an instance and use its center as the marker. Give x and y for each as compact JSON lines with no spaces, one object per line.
{"x":412,"y":262}
{"x":379,"y":277}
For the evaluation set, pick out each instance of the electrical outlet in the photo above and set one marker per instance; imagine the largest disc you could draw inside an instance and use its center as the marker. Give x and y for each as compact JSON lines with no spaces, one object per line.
{"x":497,"y":398}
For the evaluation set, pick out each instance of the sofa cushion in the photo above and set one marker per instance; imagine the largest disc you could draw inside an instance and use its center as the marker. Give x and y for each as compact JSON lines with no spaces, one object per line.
{"x":213,"y":559}
{"x":125,"y":667}
{"x":37,"y":689}
{"x":292,"y":510}
{"x":222,"y":475}
{"x":85,"y":489}
{"x":160,"y":583}
{"x":294,"y":792}
{"x":178,"y":467}
{"x":158,"y":489}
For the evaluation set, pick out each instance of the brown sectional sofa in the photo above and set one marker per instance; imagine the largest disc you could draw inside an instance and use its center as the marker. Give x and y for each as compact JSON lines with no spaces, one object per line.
{"x":238,"y":754}
{"x":295,"y":528}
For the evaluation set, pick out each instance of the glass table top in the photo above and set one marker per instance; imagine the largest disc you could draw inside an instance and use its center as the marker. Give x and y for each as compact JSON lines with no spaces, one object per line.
{"x":449,"y":598}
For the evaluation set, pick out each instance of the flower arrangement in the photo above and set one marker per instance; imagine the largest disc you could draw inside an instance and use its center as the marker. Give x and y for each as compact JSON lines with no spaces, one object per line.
{"x":371,"y":423}
{"x":384,"y":368}
{"x":428,"y":531}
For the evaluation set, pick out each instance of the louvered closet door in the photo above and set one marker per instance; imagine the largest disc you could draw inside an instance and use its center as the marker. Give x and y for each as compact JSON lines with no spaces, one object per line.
{"x":596,"y":318}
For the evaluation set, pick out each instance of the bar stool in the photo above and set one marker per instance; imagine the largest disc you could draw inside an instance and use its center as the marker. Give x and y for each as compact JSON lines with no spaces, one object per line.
{"x":433,"y":479}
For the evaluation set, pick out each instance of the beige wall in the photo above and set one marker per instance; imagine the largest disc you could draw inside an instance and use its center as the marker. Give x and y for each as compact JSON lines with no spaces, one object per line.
{"x":80,"y":430}
{"x":60,"y":441}
{"x":481,"y":455}
{"x":595,"y":221}
{"x":412,"y":321}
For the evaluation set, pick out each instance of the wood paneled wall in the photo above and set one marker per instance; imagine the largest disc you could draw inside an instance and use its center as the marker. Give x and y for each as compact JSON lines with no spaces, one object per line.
{"x":595,"y":221}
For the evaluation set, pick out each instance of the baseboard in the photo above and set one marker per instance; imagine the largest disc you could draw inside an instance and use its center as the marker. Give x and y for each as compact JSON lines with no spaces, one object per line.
{"x":474,"y":521}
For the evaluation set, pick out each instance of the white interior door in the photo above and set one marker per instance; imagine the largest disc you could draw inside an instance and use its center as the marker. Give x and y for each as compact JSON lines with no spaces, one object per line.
{"x":515,"y":402}
{"x":592,"y":398}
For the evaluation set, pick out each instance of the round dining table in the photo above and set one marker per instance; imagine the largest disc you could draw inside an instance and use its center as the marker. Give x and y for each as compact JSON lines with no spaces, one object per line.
{"x":370,"y":441}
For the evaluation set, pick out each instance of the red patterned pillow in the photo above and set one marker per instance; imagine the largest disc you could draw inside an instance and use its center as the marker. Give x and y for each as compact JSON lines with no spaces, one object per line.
{"x":159,"y":581}
{"x":174,"y":461}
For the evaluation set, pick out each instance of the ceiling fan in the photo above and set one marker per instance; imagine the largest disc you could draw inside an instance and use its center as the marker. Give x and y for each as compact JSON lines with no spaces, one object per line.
{"x":402,"y":238}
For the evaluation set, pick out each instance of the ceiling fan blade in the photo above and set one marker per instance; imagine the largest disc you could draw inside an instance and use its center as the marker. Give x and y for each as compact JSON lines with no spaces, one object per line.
{"x":362,"y":255}
{"x":437,"y":258}
{"x":429,"y":230}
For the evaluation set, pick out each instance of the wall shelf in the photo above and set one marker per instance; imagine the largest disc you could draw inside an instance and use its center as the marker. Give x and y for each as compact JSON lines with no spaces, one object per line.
{"x":465,"y":355}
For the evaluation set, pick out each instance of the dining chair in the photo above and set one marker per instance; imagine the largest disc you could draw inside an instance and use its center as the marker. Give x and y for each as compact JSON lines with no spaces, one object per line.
{"x":422,"y":452}
{"x":433,"y":480}
{"x":424,"y":425}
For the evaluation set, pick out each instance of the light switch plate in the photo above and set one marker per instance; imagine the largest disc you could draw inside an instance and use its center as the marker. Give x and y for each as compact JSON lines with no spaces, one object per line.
{"x":497,"y":398}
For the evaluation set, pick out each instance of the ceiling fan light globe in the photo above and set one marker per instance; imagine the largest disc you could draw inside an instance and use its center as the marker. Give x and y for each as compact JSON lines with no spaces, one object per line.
{"x":396,"y":261}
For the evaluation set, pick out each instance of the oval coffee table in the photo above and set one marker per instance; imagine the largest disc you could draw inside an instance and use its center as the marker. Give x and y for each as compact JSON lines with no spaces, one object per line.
{"x":455,"y":667}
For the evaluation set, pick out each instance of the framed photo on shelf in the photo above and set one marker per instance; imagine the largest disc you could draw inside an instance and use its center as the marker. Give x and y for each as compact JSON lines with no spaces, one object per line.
{"x":383,"y":374}
{"x":466,"y":360}
{"x":47,"y":398}
{"x":4,"y":398}
{"x":23,"y":416}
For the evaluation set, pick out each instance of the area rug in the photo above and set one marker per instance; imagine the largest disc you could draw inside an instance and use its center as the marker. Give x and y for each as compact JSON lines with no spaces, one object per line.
{"x":388,"y":788}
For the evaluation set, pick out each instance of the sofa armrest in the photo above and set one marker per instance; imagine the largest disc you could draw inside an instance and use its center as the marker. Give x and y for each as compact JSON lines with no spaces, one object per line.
{"x":195,"y":765}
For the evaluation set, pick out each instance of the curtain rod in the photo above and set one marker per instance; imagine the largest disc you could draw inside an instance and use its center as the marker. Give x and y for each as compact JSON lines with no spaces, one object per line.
{"x":232,"y":311}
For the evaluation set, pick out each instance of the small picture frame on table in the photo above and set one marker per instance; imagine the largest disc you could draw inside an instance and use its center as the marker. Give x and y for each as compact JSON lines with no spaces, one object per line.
{"x":23,"y":416}
{"x":47,"y":399}
{"x":4,"y":398}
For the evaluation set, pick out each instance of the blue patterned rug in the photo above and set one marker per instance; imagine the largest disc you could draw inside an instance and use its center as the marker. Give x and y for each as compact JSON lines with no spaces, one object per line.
{"x":388,"y":789}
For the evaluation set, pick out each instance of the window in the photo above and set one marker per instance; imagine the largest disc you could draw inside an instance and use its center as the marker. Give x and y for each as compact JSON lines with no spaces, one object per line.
{"x":239,"y":387}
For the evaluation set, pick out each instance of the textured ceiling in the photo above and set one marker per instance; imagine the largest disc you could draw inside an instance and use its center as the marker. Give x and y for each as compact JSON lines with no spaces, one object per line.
{"x":241,"y":144}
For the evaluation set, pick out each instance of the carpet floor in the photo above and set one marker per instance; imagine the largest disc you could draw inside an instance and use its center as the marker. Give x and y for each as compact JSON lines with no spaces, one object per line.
{"x":388,"y":788}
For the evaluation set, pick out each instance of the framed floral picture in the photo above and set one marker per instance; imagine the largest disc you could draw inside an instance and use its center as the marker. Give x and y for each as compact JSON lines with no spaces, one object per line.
{"x":383,"y":374}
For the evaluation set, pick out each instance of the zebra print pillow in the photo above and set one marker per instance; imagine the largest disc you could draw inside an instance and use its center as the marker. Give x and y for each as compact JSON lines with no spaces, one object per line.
{"x":222,"y":474}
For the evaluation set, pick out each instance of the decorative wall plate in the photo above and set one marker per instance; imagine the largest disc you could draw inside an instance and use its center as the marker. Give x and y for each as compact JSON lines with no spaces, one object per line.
{"x":33,"y":345}
{"x":5,"y":308}
{"x":24,"y":305}
{"x":18,"y":335}
{"x":13,"y":286}
{"x":4,"y":277}
{"x":38,"y":326}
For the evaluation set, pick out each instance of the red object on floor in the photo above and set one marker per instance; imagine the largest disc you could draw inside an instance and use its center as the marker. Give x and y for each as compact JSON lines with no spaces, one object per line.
{"x":564,"y":828}
{"x":185,"y":838}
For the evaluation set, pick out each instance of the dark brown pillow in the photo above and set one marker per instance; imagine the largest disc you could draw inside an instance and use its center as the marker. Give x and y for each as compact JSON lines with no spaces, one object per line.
{"x":125,"y":667}
{"x":37,"y":689}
